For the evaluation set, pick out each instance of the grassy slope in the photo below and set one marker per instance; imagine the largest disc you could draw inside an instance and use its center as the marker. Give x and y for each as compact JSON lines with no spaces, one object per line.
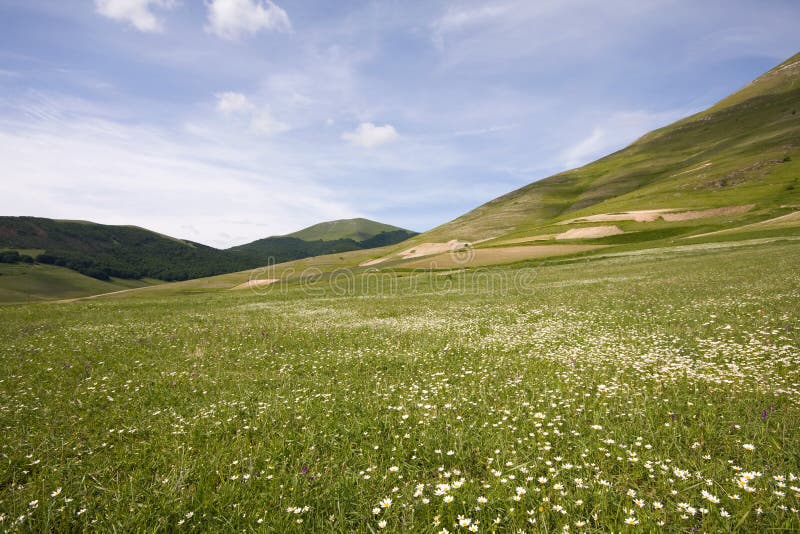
{"x":120,"y":251}
{"x":731,"y":154}
{"x":356,"y":229}
{"x":29,"y":283}
{"x":292,"y":271}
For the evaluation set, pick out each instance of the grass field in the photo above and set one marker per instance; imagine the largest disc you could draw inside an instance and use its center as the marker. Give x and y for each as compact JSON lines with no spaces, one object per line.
{"x":642,"y":392}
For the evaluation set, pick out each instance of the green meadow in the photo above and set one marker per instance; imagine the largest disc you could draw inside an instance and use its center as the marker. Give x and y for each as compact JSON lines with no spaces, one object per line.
{"x":655,"y":391}
{"x":31,"y":283}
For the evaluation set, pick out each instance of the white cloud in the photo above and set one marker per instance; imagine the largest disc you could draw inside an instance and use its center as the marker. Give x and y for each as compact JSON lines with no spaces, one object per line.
{"x":483,"y":131}
{"x":544,"y":32}
{"x":232,"y":19}
{"x":137,"y":12}
{"x":459,"y":19}
{"x":264,"y":122}
{"x":231,"y":103}
{"x":260,"y":119}
{"x":368,"y":135}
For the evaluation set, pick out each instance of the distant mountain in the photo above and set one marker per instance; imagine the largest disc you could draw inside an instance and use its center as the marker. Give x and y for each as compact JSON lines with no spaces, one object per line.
{"x":102,"y":251}
{"x":129,"y":252}
{"x":331,"y":237}
{"x":285,"y":248}
{"x":358,"y":230}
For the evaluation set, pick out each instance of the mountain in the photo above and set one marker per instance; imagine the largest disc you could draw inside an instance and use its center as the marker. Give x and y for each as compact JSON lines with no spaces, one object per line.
{"x":106,"y":252}
{"x":732,"y":166}
{"x":330,"y":237}
{"x":285,"y":248}
{"x":356,"y":229}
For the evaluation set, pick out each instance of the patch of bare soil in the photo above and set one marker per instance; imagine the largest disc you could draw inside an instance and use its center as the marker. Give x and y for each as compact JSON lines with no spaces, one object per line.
{"x":590,"y":232}
{"x":428,"y":249}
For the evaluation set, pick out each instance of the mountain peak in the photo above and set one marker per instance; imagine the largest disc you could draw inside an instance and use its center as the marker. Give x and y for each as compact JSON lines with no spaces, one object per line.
{"x":357,"y":229}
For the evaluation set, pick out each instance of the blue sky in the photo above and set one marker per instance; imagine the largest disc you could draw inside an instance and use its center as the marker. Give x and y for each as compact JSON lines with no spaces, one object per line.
{"x":224,"y":121}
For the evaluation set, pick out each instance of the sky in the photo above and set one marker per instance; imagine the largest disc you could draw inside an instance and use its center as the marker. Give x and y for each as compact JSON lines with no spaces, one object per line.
{"x":225,"y":121}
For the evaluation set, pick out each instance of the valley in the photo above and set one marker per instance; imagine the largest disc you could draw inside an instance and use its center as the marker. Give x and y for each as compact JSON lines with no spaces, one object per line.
{"x":613,"y":348}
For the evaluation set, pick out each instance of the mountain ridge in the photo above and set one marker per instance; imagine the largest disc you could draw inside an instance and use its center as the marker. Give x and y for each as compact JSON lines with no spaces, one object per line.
{"x":131,"y":252}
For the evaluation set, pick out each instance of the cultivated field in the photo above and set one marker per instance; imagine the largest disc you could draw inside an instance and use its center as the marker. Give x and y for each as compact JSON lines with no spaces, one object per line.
{"x":650,"y":392}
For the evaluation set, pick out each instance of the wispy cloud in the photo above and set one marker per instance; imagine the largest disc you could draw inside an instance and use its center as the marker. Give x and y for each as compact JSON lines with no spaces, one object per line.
{"x":260,"y":118}
{"x":234,"y":19}
{"x":459,"y":18}
{"x":484,"y":131}
{"x":230,"y":102}
{"x":367,"y":135}
{"x":138,"y":13}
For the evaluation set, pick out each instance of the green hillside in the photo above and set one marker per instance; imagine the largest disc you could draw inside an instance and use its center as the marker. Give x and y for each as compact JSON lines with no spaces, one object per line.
{"x":285,"y":248}
{"x":22,"y":282}
{"x":745,"y":150}
{"x":104,"y":251}
{"x":356,"y":229}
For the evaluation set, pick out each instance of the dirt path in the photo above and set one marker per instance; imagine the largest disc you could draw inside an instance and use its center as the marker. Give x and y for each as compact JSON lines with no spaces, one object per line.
{"x":256,"y":283}
{"x":90,"y":297}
